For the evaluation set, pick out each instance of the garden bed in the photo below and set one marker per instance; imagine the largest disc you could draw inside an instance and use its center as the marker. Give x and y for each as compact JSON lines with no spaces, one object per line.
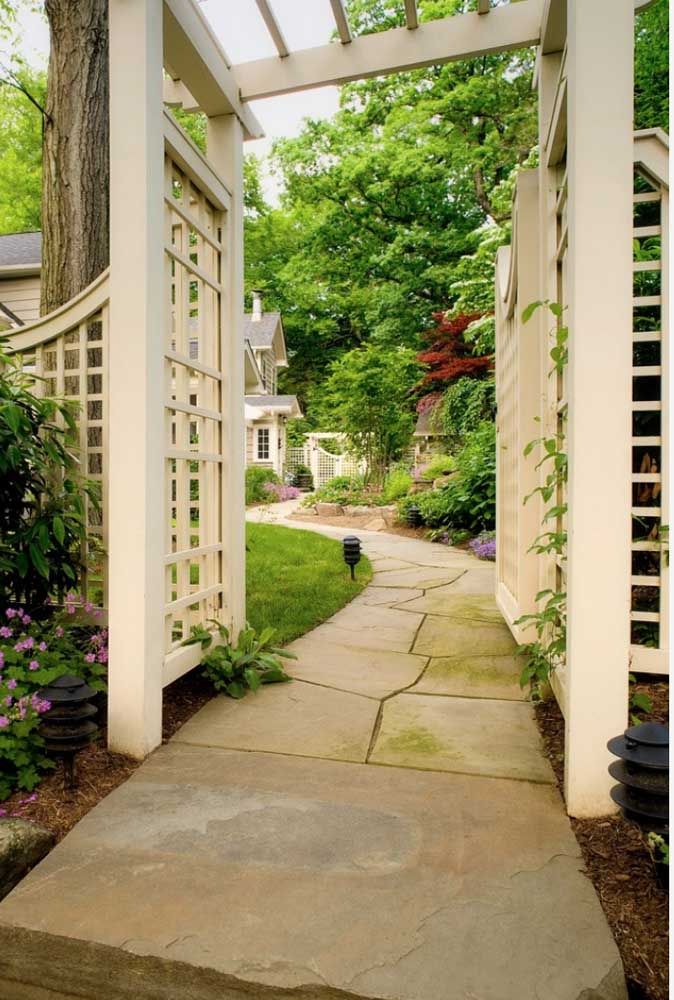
{"x":620,"y":867}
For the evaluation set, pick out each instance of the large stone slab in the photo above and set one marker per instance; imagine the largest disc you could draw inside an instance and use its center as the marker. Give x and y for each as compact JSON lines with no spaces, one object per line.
{"x":387,"y":623}
{"x":440,"y":636}
{"x":473,"y":677}
{"x":215,"y":875}
{"x":468,"y":607}
{"x":370,"y":672}
{"x":419,"y":578}
{"x":498,"y":739}
{"x":291,"y":718}
{"x":387,"y":596}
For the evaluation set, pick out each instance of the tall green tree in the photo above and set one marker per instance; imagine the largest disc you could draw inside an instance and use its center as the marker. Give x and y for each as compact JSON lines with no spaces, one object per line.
{"x":651,"y":67}
{"x":21,"y":151}
{"x":368,"y":397}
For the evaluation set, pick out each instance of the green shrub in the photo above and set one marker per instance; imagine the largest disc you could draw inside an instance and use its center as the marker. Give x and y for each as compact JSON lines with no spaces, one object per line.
{"x":341,"y":490}
{"x":465,"y":405}
{"x":439,"y":465}
{"x":42,"y":510}
{"x":256,"y":477}
{"x":236,"y":669}
{"x":469,"y":499}
{"x":396,"y":484}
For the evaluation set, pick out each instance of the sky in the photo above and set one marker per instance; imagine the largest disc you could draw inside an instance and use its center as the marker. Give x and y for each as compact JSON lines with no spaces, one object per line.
{"x":242,"y":33}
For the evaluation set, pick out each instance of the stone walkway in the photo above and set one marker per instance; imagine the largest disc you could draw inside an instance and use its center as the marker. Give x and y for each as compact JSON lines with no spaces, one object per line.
{"x":383,"y":826}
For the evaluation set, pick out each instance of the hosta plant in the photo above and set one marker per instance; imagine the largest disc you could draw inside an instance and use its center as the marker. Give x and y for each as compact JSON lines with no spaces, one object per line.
{"x":238,"y":668}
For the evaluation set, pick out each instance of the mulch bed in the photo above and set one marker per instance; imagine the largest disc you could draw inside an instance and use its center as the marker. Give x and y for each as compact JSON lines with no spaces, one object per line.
{"x":620,"y":867}
{"x":98,"y":770}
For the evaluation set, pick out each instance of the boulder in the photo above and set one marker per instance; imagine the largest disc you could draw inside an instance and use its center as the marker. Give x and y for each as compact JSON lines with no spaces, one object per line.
{"x":359,"y":510}
{"x":22,"y":845}
{"x":390,"y":515}
{"x":376,"y":524}
{"x":329,"y":510}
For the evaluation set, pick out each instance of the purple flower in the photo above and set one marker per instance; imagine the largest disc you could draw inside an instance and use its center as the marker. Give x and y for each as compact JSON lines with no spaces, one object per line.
{"x":88,"y":607}
{"x":4,"y":721}
{"x":11,"y":613}
{"x":90,"y":657}
{"x":2,"y":659}
{"x":484,"y":546}
{"x":8,"y":701}
{"x":5,"y":632}
{"x":26,"y":619}
{"x":58,"y":632}
{"x":11,"y":683}
{"x":34,"y":665}
{"x":42,"y":647}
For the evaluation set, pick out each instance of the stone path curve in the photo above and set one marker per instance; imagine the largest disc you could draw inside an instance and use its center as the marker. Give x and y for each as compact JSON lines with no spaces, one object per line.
{"x":384,"y":826}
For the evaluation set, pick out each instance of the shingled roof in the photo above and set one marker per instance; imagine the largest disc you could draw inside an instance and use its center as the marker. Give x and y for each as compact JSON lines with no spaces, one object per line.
{"x":260,"y":333}
{"x":21,"y":250}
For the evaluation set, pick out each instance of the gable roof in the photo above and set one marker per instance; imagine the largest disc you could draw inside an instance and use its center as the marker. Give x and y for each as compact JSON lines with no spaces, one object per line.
{"x":21,"y":250}
{"x":261,"y":332}
{"x":287,"y":405}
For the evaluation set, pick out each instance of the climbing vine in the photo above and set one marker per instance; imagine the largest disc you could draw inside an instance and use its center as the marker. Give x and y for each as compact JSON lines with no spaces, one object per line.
{"x":548,"y":650}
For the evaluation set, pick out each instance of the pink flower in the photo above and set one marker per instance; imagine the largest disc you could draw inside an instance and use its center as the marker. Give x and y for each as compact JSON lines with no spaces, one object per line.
{"x":58,"y":632}
{"x":88,"y":607}
{"x":90,"y":657}
{"x":2,"y":658}
{"x":8,"y":701}
{"x":103,"y":656}
{"x":11,"y":613}
{"x":4,"y":721}
{"x":11,"y":683}
{"x":5,"y":632}
{"x":42,"y":647}
{"x":34,"y":665}
{"x":26,"y":619}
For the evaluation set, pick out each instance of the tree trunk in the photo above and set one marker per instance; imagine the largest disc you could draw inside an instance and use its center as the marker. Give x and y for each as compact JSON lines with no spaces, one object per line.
{"x":76,"y":151}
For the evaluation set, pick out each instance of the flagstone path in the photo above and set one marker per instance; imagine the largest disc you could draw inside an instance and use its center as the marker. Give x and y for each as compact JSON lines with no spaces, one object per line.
{"x":385,"y":826}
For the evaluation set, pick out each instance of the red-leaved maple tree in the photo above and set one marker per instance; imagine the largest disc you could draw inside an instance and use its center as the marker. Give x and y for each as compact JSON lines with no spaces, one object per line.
{"x":449,"y":356}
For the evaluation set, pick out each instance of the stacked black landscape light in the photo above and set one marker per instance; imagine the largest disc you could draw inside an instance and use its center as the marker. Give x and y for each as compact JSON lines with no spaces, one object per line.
{"x":643,"y":773}
{"x":68,"y":727}
{"x":351,"y":546}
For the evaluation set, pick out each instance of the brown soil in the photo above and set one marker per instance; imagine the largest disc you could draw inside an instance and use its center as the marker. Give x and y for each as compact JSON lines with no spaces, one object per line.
{"x":620,"y":866}
{"x":98,"y":770}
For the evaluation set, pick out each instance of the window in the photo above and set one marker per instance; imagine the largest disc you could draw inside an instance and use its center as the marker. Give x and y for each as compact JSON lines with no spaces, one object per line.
{"x":262,"y":444}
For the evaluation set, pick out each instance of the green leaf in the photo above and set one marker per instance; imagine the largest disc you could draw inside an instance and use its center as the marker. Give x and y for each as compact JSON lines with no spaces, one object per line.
{"x":59,"y":530}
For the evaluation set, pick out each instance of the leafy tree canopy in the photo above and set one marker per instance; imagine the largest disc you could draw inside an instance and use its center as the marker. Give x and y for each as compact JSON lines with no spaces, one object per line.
{"x":21,"y":150}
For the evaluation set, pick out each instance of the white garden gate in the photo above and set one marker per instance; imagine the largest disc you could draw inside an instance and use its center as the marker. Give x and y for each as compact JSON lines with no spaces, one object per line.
{"x":324,"y":465}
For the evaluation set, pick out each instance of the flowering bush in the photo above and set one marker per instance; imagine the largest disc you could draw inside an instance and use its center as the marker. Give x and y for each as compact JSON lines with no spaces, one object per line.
{"x":484,"y":546}
{"x":280,"y":491}
{"x":34,"y":651}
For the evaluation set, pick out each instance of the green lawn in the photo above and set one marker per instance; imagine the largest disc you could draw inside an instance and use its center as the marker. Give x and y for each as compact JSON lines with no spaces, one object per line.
{"x":296,"y":579}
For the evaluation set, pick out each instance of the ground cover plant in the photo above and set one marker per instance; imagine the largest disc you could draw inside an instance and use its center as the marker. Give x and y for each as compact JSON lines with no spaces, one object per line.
{"x":233,"y":668}
{"x":296,"y":579}
{"x":257,"y":479}
{"x":35,"y":649}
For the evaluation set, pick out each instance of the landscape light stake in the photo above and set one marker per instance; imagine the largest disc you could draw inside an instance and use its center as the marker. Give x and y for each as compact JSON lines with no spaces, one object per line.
{"x":68,"y":727}
{"x":351,"y":546}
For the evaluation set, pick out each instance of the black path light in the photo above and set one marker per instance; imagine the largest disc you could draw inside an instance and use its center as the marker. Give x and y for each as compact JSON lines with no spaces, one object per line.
{"x":351,"y":546}
{"x":68,"y":727}
{"x":643,"y":775}
{"x":413,"y":517}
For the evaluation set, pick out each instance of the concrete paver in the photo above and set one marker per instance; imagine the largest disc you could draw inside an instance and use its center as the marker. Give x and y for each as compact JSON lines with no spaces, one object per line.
{"x":472,"y":677}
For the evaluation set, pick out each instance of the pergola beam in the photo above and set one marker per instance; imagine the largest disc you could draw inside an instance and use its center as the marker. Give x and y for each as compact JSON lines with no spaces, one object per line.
{"x":196,"y":57}
{"x":462,"y":36}
{"x":273,"y":27}
{"x":411,"y":14}
{"x":342,"y":21}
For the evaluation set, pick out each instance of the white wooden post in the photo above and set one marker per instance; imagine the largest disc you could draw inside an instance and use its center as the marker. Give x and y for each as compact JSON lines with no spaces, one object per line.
{"x":225,"y":151}
{"x":136,"y":429}
{"x":599,"y":162}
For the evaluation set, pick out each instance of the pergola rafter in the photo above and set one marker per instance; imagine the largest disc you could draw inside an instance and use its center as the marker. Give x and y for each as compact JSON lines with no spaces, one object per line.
{"x":342,"y":21}
{"x":462,"y":36}
{"x":411,"y":14}
{"x":273,"y":27}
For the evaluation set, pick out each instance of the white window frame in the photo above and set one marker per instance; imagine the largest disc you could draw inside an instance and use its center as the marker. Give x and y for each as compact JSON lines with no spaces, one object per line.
{"x":263,"y":444}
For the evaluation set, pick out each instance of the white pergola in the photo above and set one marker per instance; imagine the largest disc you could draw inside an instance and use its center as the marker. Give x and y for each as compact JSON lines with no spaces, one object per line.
{"x":170,"y":417}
